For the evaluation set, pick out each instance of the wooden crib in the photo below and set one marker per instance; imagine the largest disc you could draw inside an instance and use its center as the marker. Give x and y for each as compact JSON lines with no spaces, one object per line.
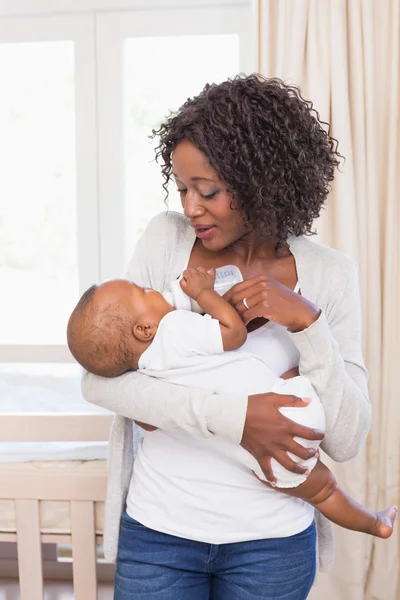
{"x":80,"y":490}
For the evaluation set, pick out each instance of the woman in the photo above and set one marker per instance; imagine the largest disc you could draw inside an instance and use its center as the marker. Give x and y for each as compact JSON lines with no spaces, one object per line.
{"x":253,"y":166}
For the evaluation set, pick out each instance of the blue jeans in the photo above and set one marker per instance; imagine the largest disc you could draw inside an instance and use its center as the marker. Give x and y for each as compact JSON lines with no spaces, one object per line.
{"x":157,"y":566}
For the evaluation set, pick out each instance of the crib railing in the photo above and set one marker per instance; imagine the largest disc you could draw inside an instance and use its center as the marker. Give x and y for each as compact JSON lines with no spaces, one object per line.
{"x":81,"y":490}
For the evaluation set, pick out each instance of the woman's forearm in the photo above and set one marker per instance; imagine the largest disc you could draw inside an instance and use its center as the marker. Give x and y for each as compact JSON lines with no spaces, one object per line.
{"x":342,"y":387}
{"x":168,"y":406}
{"x":146,"y":426}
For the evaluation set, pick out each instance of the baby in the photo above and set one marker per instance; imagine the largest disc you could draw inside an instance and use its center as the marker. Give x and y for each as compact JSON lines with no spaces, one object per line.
{"x":118,"y":326}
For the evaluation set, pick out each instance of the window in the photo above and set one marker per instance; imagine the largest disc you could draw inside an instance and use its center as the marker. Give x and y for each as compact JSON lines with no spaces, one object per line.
{"x":81,"y":94}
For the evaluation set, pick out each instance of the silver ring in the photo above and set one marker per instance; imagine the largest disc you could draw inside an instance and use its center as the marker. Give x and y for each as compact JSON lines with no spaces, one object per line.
{"x":245,"y":303}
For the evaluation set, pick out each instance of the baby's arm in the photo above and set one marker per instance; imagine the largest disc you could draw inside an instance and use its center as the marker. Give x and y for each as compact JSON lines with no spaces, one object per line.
{"x":199,"y":285}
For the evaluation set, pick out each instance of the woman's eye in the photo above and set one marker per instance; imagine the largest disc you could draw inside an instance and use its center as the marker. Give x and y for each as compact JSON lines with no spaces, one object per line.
{"x":205,"y":196}
{"x":209,"y":196}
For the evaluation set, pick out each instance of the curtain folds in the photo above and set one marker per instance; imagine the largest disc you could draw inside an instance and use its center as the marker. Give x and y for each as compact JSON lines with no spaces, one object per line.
{"x":345,"y":56}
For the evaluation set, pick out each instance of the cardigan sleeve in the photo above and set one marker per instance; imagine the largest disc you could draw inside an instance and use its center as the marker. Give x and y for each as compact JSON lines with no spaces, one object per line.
{"x":331,"y":357}
{"x":143,"y":398}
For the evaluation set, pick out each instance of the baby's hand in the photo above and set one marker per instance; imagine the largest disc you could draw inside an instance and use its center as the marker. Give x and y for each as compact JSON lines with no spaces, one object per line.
{"x":195,"y":281}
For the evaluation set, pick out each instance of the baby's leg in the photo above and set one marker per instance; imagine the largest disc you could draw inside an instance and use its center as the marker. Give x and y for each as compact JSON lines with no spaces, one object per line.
{"x":291,"y":373}
{"x":322,"y":491}
{"x":311,"y":415}
{"x":320,"y":488}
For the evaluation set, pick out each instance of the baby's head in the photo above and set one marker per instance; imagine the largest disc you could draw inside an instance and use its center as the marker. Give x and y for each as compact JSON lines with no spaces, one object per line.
{"x":113,"y":324}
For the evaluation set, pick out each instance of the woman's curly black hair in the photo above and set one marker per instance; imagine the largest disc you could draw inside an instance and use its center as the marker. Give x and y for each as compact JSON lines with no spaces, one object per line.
{"x":266,"y":143}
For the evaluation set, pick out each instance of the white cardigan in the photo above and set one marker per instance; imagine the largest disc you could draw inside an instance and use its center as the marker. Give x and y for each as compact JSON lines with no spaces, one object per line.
{"x":330,"y":356}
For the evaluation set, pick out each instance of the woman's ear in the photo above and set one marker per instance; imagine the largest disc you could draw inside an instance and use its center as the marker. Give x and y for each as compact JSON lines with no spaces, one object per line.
{"x":144,"y":332}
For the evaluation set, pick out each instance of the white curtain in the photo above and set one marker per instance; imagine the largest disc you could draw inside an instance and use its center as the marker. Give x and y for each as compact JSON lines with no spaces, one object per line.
{"x":345,"y":56}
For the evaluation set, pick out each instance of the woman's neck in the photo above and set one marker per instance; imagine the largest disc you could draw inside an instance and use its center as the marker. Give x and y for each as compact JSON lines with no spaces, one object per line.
{"x":252,"y":246}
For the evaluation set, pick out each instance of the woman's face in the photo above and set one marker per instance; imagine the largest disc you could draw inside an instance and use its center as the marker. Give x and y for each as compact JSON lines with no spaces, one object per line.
{"x":205,"y":200}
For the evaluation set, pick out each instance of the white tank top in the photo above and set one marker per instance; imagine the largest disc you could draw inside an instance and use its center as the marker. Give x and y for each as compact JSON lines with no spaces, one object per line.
{"x":184,"y":486}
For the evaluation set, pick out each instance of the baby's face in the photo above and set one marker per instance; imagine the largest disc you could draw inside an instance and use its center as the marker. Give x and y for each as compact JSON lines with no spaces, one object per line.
{"x":141,"y":303}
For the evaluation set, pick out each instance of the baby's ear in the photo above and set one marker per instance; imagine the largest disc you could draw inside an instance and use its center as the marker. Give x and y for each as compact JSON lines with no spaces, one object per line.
{"x":144,"y":332}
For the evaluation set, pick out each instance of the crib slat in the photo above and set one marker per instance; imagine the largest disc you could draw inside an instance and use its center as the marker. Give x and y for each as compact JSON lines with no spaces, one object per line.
{"x":83,"y":550}
{"x":29,"y":549}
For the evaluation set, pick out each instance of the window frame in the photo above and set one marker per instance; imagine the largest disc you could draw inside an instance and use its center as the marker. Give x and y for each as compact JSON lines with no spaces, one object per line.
{"x":18,"y":8}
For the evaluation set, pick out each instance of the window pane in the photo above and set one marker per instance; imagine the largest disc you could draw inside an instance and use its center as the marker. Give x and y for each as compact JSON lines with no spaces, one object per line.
{"x":153,"y":88}
{"x":38,"y":230}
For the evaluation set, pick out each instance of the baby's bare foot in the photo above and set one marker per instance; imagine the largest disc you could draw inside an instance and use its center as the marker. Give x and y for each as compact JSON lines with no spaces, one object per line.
{"x":384,"y":522}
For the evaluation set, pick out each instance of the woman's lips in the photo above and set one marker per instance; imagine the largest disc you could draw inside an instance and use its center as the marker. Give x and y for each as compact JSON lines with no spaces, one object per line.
{"x":204,"y":232}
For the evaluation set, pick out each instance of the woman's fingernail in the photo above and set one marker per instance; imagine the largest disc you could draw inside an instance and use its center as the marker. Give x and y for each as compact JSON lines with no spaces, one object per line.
{"x":307,"y":400}
{"x":307,"y":473}
{"x":272,"y":483}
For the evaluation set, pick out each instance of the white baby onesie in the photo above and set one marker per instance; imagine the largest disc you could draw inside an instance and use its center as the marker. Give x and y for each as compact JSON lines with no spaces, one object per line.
{"x":187,"y":350}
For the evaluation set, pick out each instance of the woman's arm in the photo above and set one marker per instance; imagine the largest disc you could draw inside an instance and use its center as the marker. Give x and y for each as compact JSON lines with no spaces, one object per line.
{"x":330,"y":350}
{"x":143,"y":398}
{"x":168,"y":406}
{"x":331,"y":357}
{"x":256,"y":422}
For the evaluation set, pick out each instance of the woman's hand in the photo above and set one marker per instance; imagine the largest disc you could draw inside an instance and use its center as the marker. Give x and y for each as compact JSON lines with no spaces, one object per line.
{"x":269,"y":299}
{"x":269,"y":434}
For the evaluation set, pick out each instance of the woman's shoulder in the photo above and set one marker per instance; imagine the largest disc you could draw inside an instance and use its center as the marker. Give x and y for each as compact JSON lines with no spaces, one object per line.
{"x":321,"y":268}
{"x":167,"y":242}
{"x":169,"y":221}
{"x":170,"y":227}
{"x":306,"y":250}
{"x":162,"y":251}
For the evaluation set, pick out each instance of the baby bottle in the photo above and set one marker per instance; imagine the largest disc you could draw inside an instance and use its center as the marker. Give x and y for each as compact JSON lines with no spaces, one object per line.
{"x":225,"y":278}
